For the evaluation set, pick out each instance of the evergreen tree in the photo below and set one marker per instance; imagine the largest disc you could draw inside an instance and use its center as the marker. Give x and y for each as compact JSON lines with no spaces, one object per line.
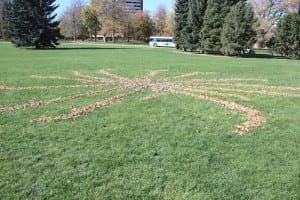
{"x":238,"y":32}
{"x":31,"y":23}
{"x":16,"y":22}
{"x":180,"y":27}
{"x":287,"y":36}
{"x":228,"y":4}
{"x":212,"y":27}
{"x":1,"y":17}
{"x":196,"y":11}
{"x":215,"y":14}
{"x":6,"y":14}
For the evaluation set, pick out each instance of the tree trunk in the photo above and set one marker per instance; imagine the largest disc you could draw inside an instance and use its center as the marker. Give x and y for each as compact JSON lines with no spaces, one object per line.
{"x":74,"y":27}
{"x":113,"y":32}
{"x":113,"y":35}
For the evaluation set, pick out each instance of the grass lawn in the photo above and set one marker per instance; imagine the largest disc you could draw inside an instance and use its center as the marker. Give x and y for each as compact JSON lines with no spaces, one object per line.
{"x":153,"y":134}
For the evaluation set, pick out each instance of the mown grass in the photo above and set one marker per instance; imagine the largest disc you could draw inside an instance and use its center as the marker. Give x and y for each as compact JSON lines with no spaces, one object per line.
{"x":171,"y":147}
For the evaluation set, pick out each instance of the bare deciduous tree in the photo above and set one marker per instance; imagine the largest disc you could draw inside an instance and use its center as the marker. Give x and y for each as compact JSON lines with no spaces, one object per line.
{"x":71,"y":24}
{"x":169,"y":30}
{"x":127,"y":26}
{"x":160,"y":20}
{"x":295,"y":6}
{"x":269,"y":12}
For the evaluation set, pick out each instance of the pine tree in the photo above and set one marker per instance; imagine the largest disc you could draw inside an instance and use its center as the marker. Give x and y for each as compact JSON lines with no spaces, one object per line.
{"x":48,"y":28}
{"x":238,"y":32}
{"x":31,"y":23}
{"x":212,"y":27}
{"x":215,"y":14}
{"x":196,"y":11}
{"x":6,"y":15}
{"x":1,"y":17}
{"x":16,"y":22}
{"x":287,"y":36}
{"x":180,"y":27}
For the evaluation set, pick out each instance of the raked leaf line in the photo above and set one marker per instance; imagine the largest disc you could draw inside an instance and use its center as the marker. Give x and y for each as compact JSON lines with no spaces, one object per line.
{"x":213,"y":90}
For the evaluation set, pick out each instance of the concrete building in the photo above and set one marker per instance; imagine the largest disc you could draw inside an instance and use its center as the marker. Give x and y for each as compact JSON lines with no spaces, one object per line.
{"x":133,"y":6}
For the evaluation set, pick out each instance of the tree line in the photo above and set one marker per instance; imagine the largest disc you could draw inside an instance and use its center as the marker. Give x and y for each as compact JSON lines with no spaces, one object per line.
{"x":34,"y":22}
{"x":232,"y":27}
{"x":214,"y":26}
{"x":228,"y":27}
{"x":111,"y":19}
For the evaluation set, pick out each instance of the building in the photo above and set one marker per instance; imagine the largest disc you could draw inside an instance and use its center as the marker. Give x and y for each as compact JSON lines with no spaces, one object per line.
{"x":133,"y":6}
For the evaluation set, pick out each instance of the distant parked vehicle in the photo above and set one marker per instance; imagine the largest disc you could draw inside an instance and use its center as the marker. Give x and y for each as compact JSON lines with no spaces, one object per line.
{"x":161,"y":42}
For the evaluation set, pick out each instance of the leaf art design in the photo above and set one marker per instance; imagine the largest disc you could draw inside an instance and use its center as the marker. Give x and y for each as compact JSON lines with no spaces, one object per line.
{"x":105,"y":82}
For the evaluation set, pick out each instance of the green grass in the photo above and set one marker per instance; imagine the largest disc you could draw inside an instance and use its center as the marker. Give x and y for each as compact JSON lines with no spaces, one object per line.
{"x":171,"y":147}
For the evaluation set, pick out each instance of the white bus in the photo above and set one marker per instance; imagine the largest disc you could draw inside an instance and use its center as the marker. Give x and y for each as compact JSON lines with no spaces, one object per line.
{"x":161,"y":42}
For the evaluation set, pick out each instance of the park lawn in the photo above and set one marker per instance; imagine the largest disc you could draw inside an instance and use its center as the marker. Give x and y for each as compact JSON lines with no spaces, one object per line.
{"x":169,"y":147}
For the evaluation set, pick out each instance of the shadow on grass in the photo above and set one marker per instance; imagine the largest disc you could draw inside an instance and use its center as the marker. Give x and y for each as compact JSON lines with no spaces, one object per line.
{"x":264,"y":56}
{"x":79,"y":48}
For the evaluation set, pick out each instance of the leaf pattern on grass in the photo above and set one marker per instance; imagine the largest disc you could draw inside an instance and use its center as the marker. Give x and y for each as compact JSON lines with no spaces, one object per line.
{"x":119,"y":87}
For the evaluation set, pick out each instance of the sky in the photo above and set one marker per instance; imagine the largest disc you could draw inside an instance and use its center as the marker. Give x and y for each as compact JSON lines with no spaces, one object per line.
{"x":149,"y":5}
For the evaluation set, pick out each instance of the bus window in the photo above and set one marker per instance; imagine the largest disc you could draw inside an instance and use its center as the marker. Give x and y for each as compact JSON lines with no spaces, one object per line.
{"x":161,"y":42}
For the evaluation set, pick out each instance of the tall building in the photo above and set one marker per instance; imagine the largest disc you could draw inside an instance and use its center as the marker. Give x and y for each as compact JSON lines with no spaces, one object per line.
{"x":133,"y":6}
